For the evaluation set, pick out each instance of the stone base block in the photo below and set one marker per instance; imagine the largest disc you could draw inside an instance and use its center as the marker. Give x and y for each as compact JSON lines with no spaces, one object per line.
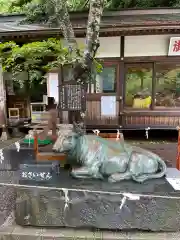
{"x":153,"y":205}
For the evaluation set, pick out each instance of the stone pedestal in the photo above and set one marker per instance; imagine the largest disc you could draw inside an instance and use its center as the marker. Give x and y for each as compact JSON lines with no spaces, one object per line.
{"x":153,"y":205}
{"x":67,"y":202}
{"x":16,"y":132}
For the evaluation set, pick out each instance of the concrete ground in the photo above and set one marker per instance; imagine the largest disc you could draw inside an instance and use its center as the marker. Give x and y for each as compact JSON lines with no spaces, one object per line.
{"x":10,"y":231}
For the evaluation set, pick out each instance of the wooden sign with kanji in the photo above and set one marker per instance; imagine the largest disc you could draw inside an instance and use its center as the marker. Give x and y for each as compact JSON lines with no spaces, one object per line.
{"x":72,"y":97}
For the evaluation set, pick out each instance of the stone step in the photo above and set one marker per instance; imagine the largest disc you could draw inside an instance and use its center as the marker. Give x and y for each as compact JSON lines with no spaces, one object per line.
{"x":16,"y":232}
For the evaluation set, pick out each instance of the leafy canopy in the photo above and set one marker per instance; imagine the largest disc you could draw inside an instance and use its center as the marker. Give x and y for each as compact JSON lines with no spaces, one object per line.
{"x":37,"y":58}
{"x":26,"y":6}
{"x":38,"y":6}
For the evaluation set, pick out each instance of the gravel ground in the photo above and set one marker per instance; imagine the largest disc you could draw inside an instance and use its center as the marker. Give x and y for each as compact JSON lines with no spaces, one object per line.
{"x":166,"y":150}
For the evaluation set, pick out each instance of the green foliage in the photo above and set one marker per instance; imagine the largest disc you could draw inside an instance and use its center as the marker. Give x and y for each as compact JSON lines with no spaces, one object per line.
{"x":6,"y":7}
{"x":37,"y":6}
{"x":43,"y":10}
{"x":119,"y":4}
{"x":36,"y":58}
{"x":73,"y":5}
{"x":116,"y":4}
{"x":37,"y":10}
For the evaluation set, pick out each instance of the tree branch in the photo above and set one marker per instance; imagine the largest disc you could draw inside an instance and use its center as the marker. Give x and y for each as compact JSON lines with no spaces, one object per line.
{"x":63,"y":20}
{"x":82,"y":70}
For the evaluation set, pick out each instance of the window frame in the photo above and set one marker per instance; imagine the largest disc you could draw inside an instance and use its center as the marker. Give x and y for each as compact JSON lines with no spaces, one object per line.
{"x":163,"y":108}
{"x":91,"y":85}
{"x":126,"y":66}
{"x":154,"y":60}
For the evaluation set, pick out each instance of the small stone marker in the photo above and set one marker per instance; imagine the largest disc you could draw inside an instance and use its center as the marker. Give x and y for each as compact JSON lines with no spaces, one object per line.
{"x":36,"y":172}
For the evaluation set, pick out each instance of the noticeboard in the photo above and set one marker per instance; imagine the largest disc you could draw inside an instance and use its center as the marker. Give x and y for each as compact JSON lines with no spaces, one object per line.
{"x":108,"y":106}
{"x":72,"y":97}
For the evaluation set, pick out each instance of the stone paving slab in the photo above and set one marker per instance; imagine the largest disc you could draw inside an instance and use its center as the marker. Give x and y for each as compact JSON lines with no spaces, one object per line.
{"x":16,"y":232}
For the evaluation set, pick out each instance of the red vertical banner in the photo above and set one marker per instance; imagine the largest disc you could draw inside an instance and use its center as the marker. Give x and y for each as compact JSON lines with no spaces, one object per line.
{"x":3,"y":113}
{"x":178,"y":151}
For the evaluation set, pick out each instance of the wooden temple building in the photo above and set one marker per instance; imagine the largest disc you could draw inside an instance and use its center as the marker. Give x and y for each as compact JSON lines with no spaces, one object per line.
{"x":139,"y":86}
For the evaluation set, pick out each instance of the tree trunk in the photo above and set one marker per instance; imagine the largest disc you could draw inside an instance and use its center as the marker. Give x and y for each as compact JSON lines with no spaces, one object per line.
{"x":81,"y":69}
{"x":3,"y":112}
{"x":63,"y":19}
{"x":93,"y":28}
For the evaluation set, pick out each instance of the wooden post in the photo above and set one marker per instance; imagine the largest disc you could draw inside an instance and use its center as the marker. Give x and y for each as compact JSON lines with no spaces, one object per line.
{"x":60,"y":81}
{"x":178,"y":150}
{"x":35,"y":143}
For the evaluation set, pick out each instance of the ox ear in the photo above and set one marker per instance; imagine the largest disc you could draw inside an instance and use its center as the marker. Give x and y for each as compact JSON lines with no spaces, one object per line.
{"x":75,"y":127}
{"x":79,"y":128}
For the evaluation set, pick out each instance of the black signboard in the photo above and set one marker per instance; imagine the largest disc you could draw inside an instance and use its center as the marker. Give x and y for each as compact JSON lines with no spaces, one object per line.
{"x":35,"y":172}
{"x":72,"y":97}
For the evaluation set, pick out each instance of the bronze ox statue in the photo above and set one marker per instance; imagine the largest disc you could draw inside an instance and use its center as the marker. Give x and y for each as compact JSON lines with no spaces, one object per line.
{"x":101,"y":158}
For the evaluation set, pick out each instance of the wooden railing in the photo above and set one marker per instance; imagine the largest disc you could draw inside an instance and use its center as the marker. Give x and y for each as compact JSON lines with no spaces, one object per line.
{"x":44,"y":156}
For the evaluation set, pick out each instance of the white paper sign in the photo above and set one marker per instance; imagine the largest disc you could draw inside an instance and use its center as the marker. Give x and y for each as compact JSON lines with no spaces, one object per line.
{"x":174,"y":46}
{"x":108,"y":106}
{"x":175,"y":183}
{"x":52,"y":86}
{"x":173,"y":177}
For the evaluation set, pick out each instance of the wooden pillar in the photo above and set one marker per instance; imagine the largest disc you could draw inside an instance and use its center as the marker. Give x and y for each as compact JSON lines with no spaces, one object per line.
{"x":178,"y":150}
{"x":3,"y":112}
{"x":60,"y":81}
{"x":121,"y":82}
{"x":35,"y":143}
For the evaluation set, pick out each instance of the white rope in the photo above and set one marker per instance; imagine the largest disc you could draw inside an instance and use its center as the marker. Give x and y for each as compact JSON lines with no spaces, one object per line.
{"x":12,"y":143}
{"x":118,"y":135}
{"x":123,"y":202}
{"x":17,"y":144}
{"x":90,"y":191}
{"x":65,"y":191}
{"x":147,"y":132}
{"x":1,"y":156}
{"x":96,"y":131}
